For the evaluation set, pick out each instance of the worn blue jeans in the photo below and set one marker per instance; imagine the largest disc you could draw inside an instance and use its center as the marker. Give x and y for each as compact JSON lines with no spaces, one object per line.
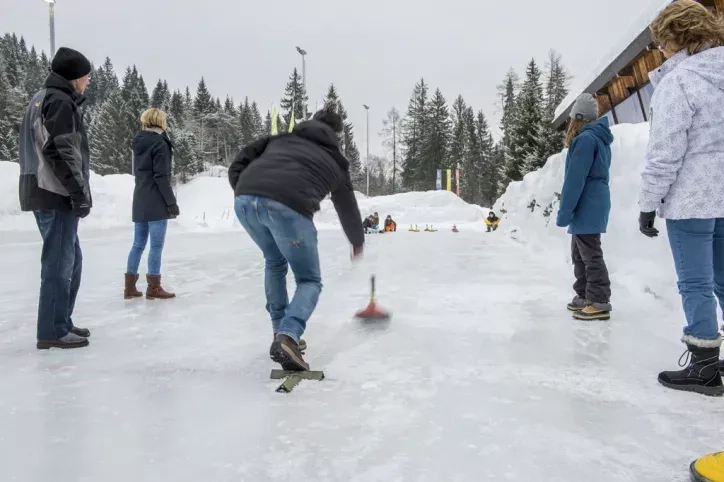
{"x":61,"y":266}
{"x":698,"y":249}
{"x":286,"y":238}
{"x":157,"y":231}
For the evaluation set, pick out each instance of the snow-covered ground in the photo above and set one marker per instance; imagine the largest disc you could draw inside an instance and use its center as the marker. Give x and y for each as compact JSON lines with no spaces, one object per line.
{"x":481,"y":374}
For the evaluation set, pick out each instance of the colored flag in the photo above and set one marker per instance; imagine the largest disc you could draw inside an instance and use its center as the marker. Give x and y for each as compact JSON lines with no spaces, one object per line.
{"x":275,"y":129}
{"x":438,"y":181}
{"x":449,"y":179}
{"x":291,"y":123}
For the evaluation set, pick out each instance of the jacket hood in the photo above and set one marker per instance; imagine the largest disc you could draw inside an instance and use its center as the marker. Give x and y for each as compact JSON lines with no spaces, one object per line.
{"x":145,"y":140}
{"x":708,"y":64}
{"x":317,"y":132}
{"x":601,"y":130}
{"x":55,"y":81}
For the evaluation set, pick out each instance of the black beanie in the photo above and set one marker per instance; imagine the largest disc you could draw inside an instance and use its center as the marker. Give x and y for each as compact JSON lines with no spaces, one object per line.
{"x":70,"y":64}
{"x":329,"y":116}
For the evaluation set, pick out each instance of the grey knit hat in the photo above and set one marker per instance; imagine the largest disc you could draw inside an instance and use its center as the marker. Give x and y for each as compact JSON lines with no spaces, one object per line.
{"x":585,"y":108}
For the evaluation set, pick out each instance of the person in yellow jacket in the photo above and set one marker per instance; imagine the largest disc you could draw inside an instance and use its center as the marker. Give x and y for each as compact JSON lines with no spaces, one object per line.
{"x":492,"y":221}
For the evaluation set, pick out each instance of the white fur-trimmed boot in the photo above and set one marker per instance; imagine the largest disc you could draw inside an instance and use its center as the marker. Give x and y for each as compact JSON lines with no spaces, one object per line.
{"x":701,"y":375}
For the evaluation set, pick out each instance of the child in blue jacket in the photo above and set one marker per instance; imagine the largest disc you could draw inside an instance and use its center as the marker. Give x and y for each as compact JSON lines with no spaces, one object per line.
{"x":585,"y":205}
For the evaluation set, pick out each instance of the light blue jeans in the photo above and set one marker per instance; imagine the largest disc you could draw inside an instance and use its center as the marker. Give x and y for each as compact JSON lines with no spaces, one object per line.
{"x":286,"y":238}
{"x":157,"y":232}
{"x":698,"y":249}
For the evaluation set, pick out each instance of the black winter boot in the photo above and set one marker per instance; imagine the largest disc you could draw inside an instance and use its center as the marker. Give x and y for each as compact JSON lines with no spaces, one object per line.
{"x":700,"y":376}
{"x":286,"y":352}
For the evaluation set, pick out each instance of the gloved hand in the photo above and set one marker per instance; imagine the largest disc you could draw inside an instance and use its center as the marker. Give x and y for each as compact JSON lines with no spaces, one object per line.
{"x":173,"y":210}
{"x":646,"y":224}
{"x":357,"y":252}
{"x":80,"y":206}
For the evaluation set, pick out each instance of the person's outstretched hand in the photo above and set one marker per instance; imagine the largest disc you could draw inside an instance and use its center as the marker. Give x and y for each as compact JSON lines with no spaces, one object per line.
{"x":646,"y":224}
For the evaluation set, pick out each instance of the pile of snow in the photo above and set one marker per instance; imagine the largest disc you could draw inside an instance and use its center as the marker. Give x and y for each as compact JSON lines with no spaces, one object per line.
{"x":528,"y":210}
{"x":207,"y":203}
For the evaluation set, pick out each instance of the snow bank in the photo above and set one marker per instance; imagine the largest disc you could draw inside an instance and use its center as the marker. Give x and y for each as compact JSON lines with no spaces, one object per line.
{"x":206,"y":203}
{"x":529,"y":208}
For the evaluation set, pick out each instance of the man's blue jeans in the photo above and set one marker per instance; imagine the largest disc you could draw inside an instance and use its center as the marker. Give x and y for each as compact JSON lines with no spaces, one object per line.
{"x":698,"y":249}
{"x":286,"y":238}
{"x":157,"y":232}
{"x":61,"y":266}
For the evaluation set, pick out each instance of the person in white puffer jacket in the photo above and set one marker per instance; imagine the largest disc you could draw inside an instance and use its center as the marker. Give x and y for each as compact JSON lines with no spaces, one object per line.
{"x":684,"y":179}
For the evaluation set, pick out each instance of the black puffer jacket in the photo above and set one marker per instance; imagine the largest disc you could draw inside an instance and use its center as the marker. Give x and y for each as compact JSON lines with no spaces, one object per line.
{"x":299,"y":170}
{"x":152,"y":153}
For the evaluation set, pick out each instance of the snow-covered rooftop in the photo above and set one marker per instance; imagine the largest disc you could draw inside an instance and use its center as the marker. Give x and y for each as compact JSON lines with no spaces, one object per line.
{"x":648,"y":13}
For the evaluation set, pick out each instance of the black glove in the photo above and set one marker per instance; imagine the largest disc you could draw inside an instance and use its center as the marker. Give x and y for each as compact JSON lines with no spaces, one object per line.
{"x":173,"y":210}
{"x":646,"y":224}
{"x":80,"y":206}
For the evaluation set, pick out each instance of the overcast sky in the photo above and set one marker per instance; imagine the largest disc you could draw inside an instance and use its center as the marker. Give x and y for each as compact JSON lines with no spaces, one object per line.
{"x":373,"y":50}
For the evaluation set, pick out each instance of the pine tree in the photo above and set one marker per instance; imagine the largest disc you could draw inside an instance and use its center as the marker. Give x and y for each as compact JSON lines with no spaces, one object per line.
{"x":556,"y":90}
{"x":267,"y":123}
{"x":435,"y":141}
{"x":526,"y":142}
{"x":295,"y":99}
{"x":13,"y":102}
{"x":35,"y":74}
{"x":489,"y":178}
{"x":414,"y":130}
{"x":177,"y":107}
{"x":257,"y":122}
{"x":508,"y":103}
{"x":161,"y":97}
{"x":347,"y":143}
{"x":110,"y":137}
{"x":459,"y":143}
{"x":203,"y":103}
{"x":392,"y":137}
{"x":246,"y":124}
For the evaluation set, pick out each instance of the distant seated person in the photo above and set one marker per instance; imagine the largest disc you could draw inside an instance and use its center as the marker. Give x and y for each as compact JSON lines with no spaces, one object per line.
{"x":376,"y":220}
{"x":390,"y":225}
{"x":492,"y":221}
{"x":369,"y":225}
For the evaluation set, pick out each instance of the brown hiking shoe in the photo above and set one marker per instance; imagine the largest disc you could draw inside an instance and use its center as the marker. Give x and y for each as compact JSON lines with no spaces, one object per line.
{"x":130,"y":291}
{"x":286,"y":352}
{"x":302,"y":344}
{"x":155,"y":291}
{"x":590,"y":312}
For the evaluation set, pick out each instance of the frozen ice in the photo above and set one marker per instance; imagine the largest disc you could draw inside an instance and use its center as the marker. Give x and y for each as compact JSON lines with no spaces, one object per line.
{"x":481,"y":374}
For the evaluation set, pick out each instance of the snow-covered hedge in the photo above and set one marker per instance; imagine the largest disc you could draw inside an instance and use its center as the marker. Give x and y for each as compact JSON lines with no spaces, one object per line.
{"x":528,"y":209}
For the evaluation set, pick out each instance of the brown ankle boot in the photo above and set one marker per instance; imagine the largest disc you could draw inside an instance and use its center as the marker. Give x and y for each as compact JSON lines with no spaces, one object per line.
{"x":155,"y":291}
{"x":130,"y":290}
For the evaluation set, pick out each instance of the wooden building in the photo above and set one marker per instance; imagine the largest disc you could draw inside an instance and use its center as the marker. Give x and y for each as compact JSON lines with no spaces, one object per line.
{"x":622,"y":85}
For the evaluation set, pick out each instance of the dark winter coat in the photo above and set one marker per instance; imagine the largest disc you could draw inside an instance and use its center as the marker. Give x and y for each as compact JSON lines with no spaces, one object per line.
{"x":152,"y":154}
{"x":585,"y":197}
{"x":54,"y":152}
{"x":299,"y":170}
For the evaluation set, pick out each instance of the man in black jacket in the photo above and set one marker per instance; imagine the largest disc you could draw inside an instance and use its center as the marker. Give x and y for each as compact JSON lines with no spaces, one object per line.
{"x":54,"y":172}
{"x":279,"y":183}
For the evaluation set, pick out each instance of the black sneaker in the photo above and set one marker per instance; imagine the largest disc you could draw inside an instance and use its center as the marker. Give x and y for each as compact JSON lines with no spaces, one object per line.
{"x":700,"y":376}
{"x":70,"y":340}
{"x":286,"y":352}
{"x":84,"y":332}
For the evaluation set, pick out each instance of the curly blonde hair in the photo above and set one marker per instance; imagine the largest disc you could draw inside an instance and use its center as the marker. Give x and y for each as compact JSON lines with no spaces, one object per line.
{"x":688,"y":25}
{"x":153,"y":118}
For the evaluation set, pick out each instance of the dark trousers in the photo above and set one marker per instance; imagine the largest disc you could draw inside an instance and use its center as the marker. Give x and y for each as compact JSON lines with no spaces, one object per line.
{"x":61,"y":266}
{"x":592,"y":282}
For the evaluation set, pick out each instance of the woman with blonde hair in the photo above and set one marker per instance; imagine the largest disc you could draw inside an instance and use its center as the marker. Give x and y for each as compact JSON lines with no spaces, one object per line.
{"x":585,"y":206}
{"x":684,"y":179}
{"x":154,"y":203}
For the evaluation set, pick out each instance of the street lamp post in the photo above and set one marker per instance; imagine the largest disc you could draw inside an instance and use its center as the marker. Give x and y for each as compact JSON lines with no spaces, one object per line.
{"x":51,"y":9}
{"x":303,"y":53}
{"x":367,"y":109}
